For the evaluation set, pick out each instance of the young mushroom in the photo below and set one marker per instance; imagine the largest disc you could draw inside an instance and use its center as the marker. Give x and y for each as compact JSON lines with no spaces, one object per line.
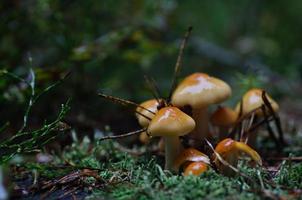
{"x":229,"y":150}
{"x":170,"y":123}
{"x":252,"y":101}
{"x":195,"y":168}
{"x":144,"y":116}
{"x":198,"y":91}
{"x":194,"y":162}
{"x":224,"y":118}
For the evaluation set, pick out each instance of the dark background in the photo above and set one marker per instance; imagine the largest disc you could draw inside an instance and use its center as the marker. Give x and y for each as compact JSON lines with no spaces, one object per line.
{"x":110,"y":45}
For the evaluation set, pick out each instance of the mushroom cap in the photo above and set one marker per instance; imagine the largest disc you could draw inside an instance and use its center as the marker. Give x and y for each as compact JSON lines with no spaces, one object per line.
{"x":195,"y":168}
{"x":229,"y":150}
{"x":224,"y":116}
{"x":170,"y":121}
{"x":200,"y":90}
{"x":252,"y":100}
{"x":150,"y":105}
{"x":190,"y":155}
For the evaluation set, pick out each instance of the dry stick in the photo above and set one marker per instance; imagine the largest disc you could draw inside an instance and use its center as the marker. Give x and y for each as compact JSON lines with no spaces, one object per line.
{"x":275,"y":116}
{"x":255,"y":126}
{"x":178,"y":63}
{"x":153,"y":88}
{"x":299,"y":158}
{"x":123,"y":102}
{"x":122,"y":135}
{"x":145,"y":116}
{"x":269,"y":128}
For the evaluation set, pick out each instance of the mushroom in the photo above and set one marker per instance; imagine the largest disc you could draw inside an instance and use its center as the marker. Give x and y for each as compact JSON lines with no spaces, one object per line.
{"x":195,"y":168}
{"x":194,"y":161}
{"x":252,"y":100}
{"x":170,"y":123}
{"x":224,"y":118}
{"x":198,"y":91}
{"x":142,"y":115}
{"x":229,"y":150}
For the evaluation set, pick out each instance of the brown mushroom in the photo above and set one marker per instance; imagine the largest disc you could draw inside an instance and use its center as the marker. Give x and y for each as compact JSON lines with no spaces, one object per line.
{"x":224,"y":118}
{"x":229,"y":150}
{"x":198,"y":91}
{"x":170,"y":123}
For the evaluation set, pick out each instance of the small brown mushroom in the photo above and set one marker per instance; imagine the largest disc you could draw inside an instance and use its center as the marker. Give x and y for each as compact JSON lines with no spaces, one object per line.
{"x":189,"y":156}
{"x":224,"y":118}
{"x":170,"y":123}
{"x":229,"y":150}
{"x":250,"y":102}
{"x":198,"y":91}
{"x":195,"y":168}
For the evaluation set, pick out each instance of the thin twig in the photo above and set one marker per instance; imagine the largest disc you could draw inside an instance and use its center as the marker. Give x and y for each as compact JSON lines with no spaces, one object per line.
{"x":270,"y":130}
{"x":153,"y":88}
{"x":122,"y":135}
{"x":275,"y":116}
{"x":178,"y":62}
{"x":123,"y":102}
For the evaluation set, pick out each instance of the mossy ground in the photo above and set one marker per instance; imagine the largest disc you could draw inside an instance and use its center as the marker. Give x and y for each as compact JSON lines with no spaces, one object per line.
{"x":125,"y":176}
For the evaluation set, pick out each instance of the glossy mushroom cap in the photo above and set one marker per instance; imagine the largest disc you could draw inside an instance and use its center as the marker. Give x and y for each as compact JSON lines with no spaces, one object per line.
{"x":190,"y":155}
{"x":200,"y":90}
{"x":150,"y":105}
{"x":195,"y":168}
{"x":224,"y":116}
{"x":252,"y":100}
{"x":170,"y":121}
{"x":229,"y":151}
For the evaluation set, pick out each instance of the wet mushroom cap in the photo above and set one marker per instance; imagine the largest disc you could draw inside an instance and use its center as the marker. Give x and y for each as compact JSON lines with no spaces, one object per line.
{"x":200,"y":90}
{"x":150,"y":105}
{"x":195,"y":168}
{"x":252,"y":100}
{"x":190,"y":155}
{"x":170,"y":121}
{"x":231,"y":148}
{"x":224,"y":116}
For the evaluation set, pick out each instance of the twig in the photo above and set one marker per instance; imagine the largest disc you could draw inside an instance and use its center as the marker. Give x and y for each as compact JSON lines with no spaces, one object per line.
{"x":270,"y":130}
{"x":275,"y":116}
{"x":123,"y":102}
{"x":122,"y":135}
{"x":298,"y":158}
{"x":178,"y":63}
{"x":153,"y":88}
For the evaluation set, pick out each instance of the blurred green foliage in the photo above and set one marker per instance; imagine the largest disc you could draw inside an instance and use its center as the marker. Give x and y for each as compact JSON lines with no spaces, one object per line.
{"x":109,"y":45}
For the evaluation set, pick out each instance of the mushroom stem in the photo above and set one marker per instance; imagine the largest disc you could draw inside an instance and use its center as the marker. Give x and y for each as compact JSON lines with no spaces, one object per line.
{"x":172,"y":148}
{"x":201,"y":119}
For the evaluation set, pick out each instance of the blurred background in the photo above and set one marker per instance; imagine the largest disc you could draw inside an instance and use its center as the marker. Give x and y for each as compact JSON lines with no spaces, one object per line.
{"x":108,"y":46}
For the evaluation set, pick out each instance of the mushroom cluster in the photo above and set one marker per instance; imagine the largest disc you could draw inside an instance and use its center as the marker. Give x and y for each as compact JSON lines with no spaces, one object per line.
{"x":187,"y":115}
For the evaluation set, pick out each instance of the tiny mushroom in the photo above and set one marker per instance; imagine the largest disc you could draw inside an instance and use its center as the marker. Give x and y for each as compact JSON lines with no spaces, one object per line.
{"x":170,"y":123}
{"x":224,"y":118}
{"x":195,"y":168}
{"x":193,"y":161}
{"x":252,"y":100}
{"x":198,"y":91}
{"x":150,"y":105}
{"x":229,"y":150}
